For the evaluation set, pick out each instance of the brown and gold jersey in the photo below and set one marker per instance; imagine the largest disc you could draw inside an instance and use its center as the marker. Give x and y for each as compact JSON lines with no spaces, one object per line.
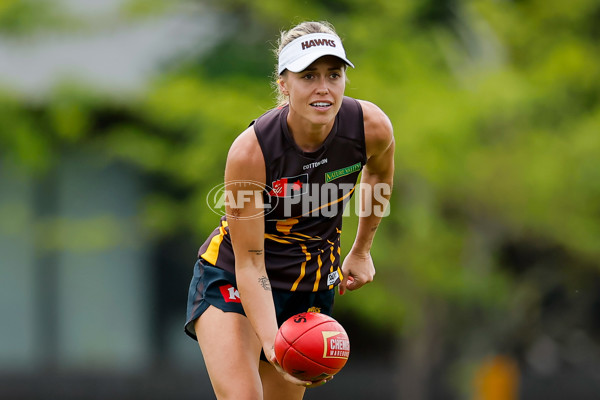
{"x":304,"y":201}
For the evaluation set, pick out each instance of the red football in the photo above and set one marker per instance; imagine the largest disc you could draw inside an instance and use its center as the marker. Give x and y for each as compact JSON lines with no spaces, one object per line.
{"x":312,"y":346}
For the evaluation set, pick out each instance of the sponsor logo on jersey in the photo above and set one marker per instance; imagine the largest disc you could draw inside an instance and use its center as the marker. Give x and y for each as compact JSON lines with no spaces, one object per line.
{"x":332,"y":277}
{"x":290,"y":186}
{"x":314,"y":164}
{"x":230,"y":294}
{"x":338,"y":173}
{"x":336,"y":345}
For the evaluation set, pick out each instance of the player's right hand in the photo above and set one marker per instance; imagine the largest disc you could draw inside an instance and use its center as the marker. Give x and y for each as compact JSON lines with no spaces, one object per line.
{"x":270,"y":354}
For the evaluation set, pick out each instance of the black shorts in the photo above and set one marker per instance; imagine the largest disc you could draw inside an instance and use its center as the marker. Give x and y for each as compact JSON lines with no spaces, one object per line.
{"x":212,"y":286}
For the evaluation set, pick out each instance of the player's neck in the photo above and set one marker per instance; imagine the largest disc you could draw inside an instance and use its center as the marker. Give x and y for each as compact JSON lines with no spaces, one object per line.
{"x":307,"y":135}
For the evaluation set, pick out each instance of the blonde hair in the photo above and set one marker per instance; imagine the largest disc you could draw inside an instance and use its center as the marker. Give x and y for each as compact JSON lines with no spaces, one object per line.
{"x":286,"y":37}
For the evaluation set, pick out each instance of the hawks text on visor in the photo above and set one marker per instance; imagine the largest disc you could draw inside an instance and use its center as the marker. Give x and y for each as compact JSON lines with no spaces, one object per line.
{"x":297,"y":55}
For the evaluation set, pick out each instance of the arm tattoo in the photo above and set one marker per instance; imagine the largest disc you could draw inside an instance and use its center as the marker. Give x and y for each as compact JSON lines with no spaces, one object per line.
{"x":264,"y":282}
{"x":256,"y":252}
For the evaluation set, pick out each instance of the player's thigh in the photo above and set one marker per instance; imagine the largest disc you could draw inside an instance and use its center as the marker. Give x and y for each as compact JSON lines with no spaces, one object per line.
{"x":275,"y":387}
{"x":231,"y":353}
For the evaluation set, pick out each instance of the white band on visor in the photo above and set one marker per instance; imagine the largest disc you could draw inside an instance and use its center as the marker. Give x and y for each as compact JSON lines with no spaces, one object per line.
{"x":303,"y":51}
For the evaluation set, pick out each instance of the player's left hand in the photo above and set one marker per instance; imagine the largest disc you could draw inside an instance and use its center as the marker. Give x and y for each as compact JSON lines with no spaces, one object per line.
{"x":358,"y":270}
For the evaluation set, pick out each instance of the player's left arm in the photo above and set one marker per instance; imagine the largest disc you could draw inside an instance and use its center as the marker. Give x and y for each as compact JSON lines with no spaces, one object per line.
{"x":376,"y":188}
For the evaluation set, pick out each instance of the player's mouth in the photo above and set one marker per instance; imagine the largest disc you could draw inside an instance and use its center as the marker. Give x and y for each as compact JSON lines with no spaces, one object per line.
{"x":322,"y":105}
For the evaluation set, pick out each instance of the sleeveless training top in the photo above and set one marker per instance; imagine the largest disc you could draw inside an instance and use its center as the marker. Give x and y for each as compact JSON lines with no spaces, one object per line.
{"x":304,"y":201}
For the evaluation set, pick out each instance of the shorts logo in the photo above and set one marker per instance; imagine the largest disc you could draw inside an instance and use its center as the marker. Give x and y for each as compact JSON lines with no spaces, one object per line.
{"x":332,"y":277}
{"x":314,"y":309}
{"x":336,"y":345}
{"x":338,"y":173}
{"x":230,"y":294}
{"x":290,"y":186}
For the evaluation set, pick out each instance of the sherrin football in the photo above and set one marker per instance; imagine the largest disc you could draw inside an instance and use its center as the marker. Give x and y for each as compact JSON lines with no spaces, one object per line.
{"x":312,"y":346}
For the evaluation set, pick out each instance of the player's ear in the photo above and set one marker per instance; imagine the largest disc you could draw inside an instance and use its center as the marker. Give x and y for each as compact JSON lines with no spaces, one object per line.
{"x":282,"y":85}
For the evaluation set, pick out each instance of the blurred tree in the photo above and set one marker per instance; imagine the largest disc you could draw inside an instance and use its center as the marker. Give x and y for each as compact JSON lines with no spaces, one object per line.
{"x":20,"y":18}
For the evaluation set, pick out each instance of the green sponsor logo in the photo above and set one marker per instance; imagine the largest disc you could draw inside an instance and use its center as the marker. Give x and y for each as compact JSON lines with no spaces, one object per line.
{"x":329,"y":176}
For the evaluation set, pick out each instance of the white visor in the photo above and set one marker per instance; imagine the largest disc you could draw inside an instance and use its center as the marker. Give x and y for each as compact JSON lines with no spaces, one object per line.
{"x":303,"y":51}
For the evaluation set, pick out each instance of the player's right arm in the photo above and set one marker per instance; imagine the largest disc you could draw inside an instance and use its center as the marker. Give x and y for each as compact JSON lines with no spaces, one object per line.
{"x":244,"y":175}
{"x":245,"y":179}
